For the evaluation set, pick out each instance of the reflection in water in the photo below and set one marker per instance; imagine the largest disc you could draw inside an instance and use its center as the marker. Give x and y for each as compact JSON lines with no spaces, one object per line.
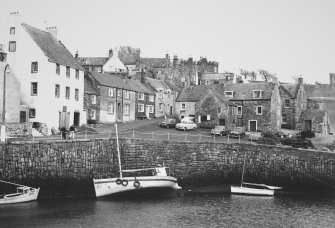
{"x":188,"y":211}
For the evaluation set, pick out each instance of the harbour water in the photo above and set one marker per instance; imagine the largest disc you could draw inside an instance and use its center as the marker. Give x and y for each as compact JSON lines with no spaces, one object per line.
{"x":189,"y":211}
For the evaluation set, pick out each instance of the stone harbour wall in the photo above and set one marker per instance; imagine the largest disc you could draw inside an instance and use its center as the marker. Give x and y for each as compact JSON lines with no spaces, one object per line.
{"x":66,"y":168}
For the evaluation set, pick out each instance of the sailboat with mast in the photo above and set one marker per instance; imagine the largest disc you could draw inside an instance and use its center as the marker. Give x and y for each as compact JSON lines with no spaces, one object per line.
{"x":253,"y":188}
{"x":23,"y":194}
{"x":135,"y":180}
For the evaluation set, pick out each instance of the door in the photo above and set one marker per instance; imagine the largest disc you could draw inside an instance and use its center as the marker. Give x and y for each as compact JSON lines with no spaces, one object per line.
{"x":253,"y":125}
{"x":147,"y":111}
{"x":119,"y":111}
{"x":23,"y":116}
{"x":76,"y":119}
{"x":308,"y":125}
{"x":222,"y":122}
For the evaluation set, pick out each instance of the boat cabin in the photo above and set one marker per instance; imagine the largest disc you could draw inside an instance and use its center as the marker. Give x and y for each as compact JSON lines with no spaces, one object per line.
{"x":23,"y":190}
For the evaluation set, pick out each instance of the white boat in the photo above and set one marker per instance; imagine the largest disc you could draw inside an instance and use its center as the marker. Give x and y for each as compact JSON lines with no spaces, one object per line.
{"x":252,"y":188}
{"x":23,"y":194}
{"x":136,"y":180}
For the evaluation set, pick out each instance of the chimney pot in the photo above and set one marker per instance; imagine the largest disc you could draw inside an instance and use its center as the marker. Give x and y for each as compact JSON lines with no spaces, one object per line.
{"x":300,"y":81}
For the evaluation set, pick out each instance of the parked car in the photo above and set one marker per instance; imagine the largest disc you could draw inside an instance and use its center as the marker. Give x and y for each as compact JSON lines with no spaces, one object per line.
{"x":168,"y":123}
{"x":186,"y":124}
{"x":237,"y":132}
{"x":254,"y":136}
{"x":219,"y":130}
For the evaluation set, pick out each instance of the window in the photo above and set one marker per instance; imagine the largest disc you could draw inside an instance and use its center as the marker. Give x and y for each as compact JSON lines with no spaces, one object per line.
{"x":183,"y":106}
{"x":233,"y":111}
{"x":141,"y":96}
{"x":12,"y":46}
{"x":67,"y":92}
{"x":67,"y":71}
{"x":12,"y":30}
{"x":257,"y":94}
{"x":57,"y":68}
{"x":151,"y":98}
{"x":229,"y":94}
{"x":151,"y":109}
{"x":32,"y":113}
{"x":34,"y":89}
{"x":93,"y":114}
{"x":219,"y":110}
{"x":119,"y":92}
{"x":76,"y":94}
{"x":141,"y":107}
{"x":160,"y":95}
{"x":110,"y":108}
{"x":93,"y":99}
{"x":160,"y":107}
{"x":126,"y":109}
{"x":77,"y":74}
{"x":259,"y":110}
{"x":287,"y":103}
{"x":34,"y":67}
{"x":239,"y":110}
{"x":126,"y":94}
{"x":284,"y":118}
{"x":57,"y":91}
{"x":110,"y":92}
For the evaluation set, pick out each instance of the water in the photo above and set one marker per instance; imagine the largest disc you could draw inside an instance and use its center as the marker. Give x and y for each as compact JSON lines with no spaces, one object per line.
{"x":187,"y":211}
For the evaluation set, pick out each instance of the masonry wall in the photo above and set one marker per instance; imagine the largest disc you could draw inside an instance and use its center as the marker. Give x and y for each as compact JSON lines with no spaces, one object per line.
{"x":67,"y":167}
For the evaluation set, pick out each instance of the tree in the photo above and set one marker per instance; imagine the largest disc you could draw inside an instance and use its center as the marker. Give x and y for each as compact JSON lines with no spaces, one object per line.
{"x":266,"y":75}
{"x":127,"y":53}
{"x":245,"y":73}
{"x":253,"y":75}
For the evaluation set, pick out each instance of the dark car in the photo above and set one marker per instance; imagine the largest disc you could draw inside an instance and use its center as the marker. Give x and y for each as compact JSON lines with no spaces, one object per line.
{"x":219,"y":130}
{"x":237,"y":132}
{"x":168,"y":123}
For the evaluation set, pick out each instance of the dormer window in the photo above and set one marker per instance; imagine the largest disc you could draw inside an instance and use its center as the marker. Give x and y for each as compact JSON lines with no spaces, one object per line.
{"x":34,"y":67}
{"x":141,"y":96}
{"x":229,"y":94}
{"x":257,"y":94}
{"x":119,"y":92}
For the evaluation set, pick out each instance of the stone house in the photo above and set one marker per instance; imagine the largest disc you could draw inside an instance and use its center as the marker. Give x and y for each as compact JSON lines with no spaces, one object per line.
{"x":91,"y":100}
{"x":165,"y":97}
{"x":313,"y":119}
{"x":121,"y":100}
{"x":258,"y":105}
{"x":48,"y":74}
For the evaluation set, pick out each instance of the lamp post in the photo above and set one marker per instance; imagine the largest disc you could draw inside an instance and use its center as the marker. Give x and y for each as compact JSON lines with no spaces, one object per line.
{"x":3,"y":127}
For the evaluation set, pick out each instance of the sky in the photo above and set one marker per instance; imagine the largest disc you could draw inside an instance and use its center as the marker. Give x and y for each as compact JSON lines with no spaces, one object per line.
{"x":287,"y":37}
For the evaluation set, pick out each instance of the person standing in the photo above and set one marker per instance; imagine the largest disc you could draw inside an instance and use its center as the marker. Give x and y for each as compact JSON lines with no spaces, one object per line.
{"x":63,"y":132}
{"x":72,"y":131}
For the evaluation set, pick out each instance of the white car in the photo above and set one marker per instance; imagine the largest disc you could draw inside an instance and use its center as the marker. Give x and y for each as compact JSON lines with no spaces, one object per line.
{"x":186,"y":124}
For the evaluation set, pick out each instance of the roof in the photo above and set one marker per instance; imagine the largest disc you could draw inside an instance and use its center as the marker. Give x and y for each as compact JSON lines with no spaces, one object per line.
{"x":112,"y":80}
{"x":321,"y":90}
{"x":291,"y":89}
{"x":196,"y":93}
{"x":53,"y":49}
{"x":244,"y":91}
{"x":156,"y":83}
{"x":95,"y":61}
{"x":217,"y":76}
{"x":155,"y":62}
{"x":129,"y":59}
{"x":172,"y":86}
{"x":315,"y":115}
{"x":88,"y":87}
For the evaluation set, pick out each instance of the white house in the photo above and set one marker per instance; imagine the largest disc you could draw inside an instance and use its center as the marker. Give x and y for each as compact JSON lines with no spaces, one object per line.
{"x":114,"y":64}
{"x":52,"y":82}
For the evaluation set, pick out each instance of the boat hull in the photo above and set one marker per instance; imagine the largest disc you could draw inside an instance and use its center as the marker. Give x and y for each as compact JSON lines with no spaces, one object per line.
{"x":109,"y":187}
{"x":251,"y":191}
{"x":20,"y":198}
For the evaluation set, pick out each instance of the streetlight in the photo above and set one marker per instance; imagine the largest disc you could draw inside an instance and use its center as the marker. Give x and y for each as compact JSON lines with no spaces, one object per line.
{"x":3,"y":127}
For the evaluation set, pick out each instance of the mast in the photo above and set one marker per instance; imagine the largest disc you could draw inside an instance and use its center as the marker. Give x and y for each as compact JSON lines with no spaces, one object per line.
{"x":243,"y":169}
{"x":118,"y":150}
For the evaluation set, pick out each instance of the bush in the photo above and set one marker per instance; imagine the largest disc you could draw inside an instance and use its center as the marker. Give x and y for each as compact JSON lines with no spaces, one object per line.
{"x":298,"y":142}
{"x":307,"y":134}
{"x":91,"y":121}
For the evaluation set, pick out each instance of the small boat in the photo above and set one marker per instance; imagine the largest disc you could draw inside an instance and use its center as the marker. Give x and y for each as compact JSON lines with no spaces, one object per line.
{"x":136,"y":180}
{"x":252,"y":188}
{"x":23,"y":194}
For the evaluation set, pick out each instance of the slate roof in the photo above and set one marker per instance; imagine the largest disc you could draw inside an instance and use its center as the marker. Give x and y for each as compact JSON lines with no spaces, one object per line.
{"x":244,"y":91}
{"x":156,"y":83}
{"x":53,"y":49}
{"x":321,"y":90}
{"x":196,"y":93}
{"x":315,"y":115}
{"x":112,"y":80}
{"x":217,"y":76}
{"x":88,"y":87}
{"x":154,"y":62}
{"x":172,"y":86}
{"x":95,"y":61}
{"x":291,"y":89}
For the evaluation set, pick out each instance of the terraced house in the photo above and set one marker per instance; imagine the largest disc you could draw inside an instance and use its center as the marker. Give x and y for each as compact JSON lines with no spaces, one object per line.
{"x":52,"y":82}
{"x":117,"y":99}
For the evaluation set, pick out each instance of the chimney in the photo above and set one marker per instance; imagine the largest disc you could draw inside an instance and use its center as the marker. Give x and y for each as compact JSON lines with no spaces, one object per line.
{"x":175,"y":60}
{"x":110,"y":53}
{"x":52,"y":30}
{"x":300,"y":81}
{"x":76,"y":55}
{"x":332,"y":78}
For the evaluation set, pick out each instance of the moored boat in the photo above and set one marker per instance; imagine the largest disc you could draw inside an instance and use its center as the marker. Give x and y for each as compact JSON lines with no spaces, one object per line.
{"x":23,"y":194}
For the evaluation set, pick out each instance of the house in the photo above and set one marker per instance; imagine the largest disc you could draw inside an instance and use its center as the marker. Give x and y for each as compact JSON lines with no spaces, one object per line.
{"x":215,"y":78}
{"x":91,"y":100}
{"x":165,"y":97}
{"x":52,"y":82}
{"x":120,"y":100}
